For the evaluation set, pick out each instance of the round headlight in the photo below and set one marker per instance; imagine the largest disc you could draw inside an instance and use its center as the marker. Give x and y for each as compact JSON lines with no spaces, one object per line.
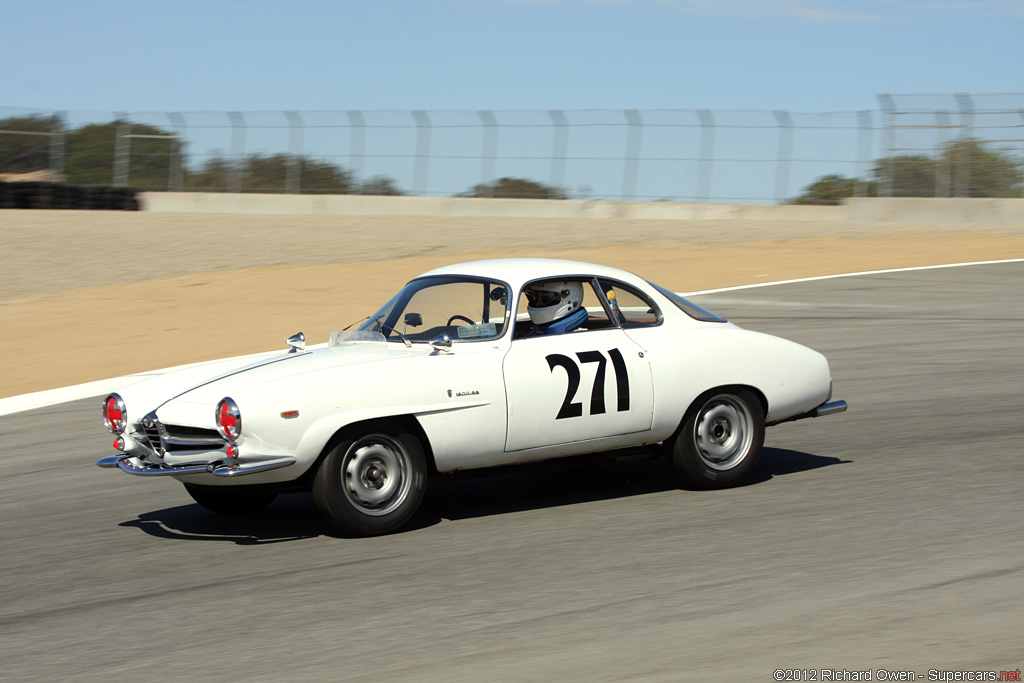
{"x":229,"y":419}
{"x":115,"y":416}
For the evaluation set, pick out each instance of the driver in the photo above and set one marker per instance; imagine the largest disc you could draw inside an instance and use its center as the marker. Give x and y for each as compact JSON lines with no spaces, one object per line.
{"x":555,"y":307}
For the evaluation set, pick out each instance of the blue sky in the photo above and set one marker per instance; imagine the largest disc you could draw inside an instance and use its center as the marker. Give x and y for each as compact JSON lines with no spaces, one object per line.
{"x":93,"y":58}
{"x":801,"y":55}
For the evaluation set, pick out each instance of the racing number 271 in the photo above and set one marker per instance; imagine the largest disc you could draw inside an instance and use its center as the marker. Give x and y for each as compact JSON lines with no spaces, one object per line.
{"x":572,"y":371}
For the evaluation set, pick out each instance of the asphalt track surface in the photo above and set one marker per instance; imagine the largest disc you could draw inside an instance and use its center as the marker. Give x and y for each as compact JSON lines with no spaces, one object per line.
{"x":889,"y":537}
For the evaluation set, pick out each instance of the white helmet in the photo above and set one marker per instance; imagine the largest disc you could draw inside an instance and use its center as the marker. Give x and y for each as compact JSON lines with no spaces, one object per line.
{"x":551,"y":301}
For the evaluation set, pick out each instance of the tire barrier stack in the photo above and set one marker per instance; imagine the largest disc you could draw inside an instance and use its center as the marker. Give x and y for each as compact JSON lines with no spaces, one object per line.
{"x":43,"y":195}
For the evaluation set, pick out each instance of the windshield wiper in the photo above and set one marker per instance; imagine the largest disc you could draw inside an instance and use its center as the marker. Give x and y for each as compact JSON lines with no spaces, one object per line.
{"x":380,"y":323}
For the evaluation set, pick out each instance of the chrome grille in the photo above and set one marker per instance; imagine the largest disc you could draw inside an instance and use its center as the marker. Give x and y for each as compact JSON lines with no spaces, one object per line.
{"x":185,"y":432}
{"x":164,"y":439}
{"x":178,"y":438}
{"x":151,"y":428}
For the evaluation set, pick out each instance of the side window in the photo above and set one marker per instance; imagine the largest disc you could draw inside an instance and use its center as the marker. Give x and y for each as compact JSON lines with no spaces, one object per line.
{"x":463,"y":309}
{"x":595,"y":319}
{"x":630,"y":307}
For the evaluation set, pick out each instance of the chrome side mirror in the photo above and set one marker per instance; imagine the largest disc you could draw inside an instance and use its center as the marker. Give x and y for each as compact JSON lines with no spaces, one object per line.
{"x":297,"y":342}
{"x":441,"y":342}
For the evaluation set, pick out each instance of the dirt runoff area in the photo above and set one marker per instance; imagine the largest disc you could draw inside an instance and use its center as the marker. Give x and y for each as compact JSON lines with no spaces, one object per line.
{"x":88,"y":295}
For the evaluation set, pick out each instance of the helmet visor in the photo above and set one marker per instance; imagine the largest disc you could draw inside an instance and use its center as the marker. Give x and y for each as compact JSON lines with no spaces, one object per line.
{"x":544,"y":298}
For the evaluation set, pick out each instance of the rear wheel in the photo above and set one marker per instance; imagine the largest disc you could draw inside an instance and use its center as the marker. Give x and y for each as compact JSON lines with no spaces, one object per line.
{"x":372,"y":482}
{"x":720,"y":440}
{"x":229,"y":500}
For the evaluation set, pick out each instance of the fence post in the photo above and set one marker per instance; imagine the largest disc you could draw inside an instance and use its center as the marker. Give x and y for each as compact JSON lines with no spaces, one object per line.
{"x":122,"y":150}
{"x":1021,"y":113}
{"x":889,"y":113}
{"x":57,"y":149}
{"x":963,"y":157}
{"x":860,"y":185}
{"x":560,"y":149}
{"x":943,"y":170}
{"x":631,"y":164}
{"x":357,"y":147}
{"x":490,"y":151}
{"x":707,"y":153}
{"x":422,"y":165}
{"x":294,"y":172}
{"x":176,"y":172}
{"x":785,"y":123}
{"x":237,"y":150}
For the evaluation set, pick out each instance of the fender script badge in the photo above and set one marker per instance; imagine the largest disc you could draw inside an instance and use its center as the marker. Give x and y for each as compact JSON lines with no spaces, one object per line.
{"x":464,"y":393}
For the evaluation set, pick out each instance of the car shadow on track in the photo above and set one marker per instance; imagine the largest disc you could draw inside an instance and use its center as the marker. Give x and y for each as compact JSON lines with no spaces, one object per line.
{"x":781,"y":461}
{"x":480,"y":497}
{"x":293,"y":517}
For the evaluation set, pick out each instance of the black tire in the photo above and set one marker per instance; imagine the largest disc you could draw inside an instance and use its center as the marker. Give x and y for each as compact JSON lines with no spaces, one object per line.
{"x":372,"y":481}
{"x":720,"y":439}
{"x":230,"y":500}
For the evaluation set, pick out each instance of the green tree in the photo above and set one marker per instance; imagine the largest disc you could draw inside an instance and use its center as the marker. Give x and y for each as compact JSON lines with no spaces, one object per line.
{"x":966,"y":168}
{"x":26,"y":153}
{"x":514,"y":188}
{"x":212,"y":176}
{"x":910,"y":175}
{"x":831,"y":190}
{"x":381,"y":185}
{"x":90,"y":155}
{"x":270,"y":174}
{"x":982,"y":171}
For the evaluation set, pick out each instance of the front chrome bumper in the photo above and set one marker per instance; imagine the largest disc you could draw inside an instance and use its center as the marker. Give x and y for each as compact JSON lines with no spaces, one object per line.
{"x":132,"y":465}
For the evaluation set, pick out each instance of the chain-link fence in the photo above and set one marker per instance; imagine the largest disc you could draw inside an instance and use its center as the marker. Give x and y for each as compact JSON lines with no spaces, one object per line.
{"x":935,"y":126}
{"x":643,"y":155}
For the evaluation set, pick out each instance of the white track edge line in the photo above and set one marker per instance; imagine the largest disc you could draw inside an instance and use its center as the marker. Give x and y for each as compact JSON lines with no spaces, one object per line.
{"x":854,"y":274}
{"x":51,"y":397}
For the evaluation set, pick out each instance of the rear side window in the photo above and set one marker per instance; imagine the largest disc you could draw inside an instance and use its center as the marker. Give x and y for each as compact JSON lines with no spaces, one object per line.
{"x":688,"y":307}
{"x":630,"y":307}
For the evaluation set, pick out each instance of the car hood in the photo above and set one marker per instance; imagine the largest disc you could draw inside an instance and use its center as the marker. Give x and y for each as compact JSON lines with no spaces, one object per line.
{"x":188,"y":396}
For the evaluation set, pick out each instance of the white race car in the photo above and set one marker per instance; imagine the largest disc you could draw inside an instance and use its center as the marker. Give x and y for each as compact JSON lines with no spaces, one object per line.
{"x":471,"y":366}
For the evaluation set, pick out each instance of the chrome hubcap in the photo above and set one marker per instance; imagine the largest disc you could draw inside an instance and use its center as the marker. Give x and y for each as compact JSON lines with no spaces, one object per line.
{"x":723,"y":432}
{"x":375,"y":474}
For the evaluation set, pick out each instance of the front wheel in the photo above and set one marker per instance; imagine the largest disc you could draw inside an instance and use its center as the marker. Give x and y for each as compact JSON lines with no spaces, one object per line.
{"x":372,"y":482}
{"x":229,"y":500}
{"x":720,"y":440}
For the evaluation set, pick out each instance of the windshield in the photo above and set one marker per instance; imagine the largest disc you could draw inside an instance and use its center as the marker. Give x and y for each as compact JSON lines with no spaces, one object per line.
{"x":464,"y":308}
{"x":688,"y":307}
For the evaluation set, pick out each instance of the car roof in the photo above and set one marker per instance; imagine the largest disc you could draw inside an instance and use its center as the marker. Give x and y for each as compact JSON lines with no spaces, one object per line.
{"x":517,"y":271}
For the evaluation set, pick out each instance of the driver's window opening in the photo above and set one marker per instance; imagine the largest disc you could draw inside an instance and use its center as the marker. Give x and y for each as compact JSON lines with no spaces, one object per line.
{"x":553,"y":309}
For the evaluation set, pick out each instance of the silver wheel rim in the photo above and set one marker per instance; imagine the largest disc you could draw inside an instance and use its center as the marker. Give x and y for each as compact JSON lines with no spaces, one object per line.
{"x":375,"y":474}
{"x":723,"y":432}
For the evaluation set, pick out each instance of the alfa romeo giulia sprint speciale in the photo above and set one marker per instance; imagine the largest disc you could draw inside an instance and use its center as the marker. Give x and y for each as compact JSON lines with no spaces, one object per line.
{"x":471,"y":366}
